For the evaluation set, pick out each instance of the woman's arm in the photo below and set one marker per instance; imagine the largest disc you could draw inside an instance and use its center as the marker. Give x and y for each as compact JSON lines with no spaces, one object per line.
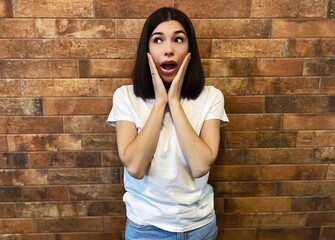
{"x":200,"y":151}
{"x":136,"y":150}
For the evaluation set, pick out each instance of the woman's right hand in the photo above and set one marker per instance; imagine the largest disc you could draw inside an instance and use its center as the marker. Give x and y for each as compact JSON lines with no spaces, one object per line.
{"x":159,"y":88}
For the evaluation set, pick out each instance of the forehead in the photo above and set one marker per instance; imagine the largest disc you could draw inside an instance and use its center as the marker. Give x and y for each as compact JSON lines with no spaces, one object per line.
{"x":169,"y":27}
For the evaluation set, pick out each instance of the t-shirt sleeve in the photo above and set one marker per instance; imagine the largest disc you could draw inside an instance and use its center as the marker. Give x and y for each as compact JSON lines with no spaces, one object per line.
{"x":120,"y":109}
{"x":217,"y":110}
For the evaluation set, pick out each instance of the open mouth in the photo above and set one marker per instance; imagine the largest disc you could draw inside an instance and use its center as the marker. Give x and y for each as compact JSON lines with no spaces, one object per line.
{"x":169,"y":67}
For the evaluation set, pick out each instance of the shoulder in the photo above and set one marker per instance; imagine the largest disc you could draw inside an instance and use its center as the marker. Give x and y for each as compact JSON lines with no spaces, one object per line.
{"x":212,"y":92}
{"x":124,"y":92}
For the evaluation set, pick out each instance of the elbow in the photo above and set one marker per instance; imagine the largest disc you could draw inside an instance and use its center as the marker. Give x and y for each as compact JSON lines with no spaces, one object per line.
{"x":200,"y":172}
{"x":135,"y":172}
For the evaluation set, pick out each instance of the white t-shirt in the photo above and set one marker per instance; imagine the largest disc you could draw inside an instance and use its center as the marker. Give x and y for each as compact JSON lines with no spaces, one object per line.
{"x":168,"y":197}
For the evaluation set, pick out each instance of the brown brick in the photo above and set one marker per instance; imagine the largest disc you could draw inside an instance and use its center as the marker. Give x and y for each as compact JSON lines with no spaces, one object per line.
{"x":205,"y":48}
{"x":44,"y":142}
{"x":116,"y":223}
{"x":103,"y":48}
{"x":13,"y":48}
{"x":6,"y":8}
{"x":244,"y":189}
{"x":233,"y":173}
{"x":89,"y":236}
{"x":260,"y":139}
{"x":219,"y":205}
{"x":84,"y":176}
{"x":299,"y":104}
{"x":277,"y":156}
{"x":229,"y":86}
{"x":128,"y":28}
{"x":77,"y":106}
{"x":49,"y":8}
{"x":23,"y":177}
{"x":111,"y":159}
{"x":226,"y":9}
{"x":324,"y":155}
{"x":331,"y":173}
{"x":43,"y":209}
{"x":10,"y":88}
{"x":21,"y":106}
{"x":232,"y":28}
{"x":106,"y":68}
{"x":322,"y":218}
{"x":257,"y":204}
{"x":244,"y":104}
{"x":69,"y":225}
{"x":64,"y":159}
{"x":308,"y":121}
{"x":17,"y":226}
{"x":3,"y":143}
{"x":131,"y":9}
{"x":319,"y":67}
{"x":97,"y":192}
{"x":288,"y":233}
{"x":266,"y":220}
{"x":304,"y":47}
{"x":289,"y":8}
{"x":328,"y":47}
{"x":313,"y":204}
{"x":327,"y":85}
{"x":229,"y":157}
{"x":37,"y":236}
{"x":327,"y":233}
{"x":81,"y":124}
{"x":254,"y":122}
{"x":237,"y":233}
{"x":7,"y":210}
{"x":216,"y":68}
{"x":294,"y":28}
{"x":13,"y":160}
{"x":60,"y":87}
{"x":99,"y":141}
{"x":114,"y":208}
{"x":266,"y":67}
{"x":315,"y":138}
{"x":31,"y":125}
{"x":41,"y":49}
{"x":249,"y":48}
{"x":302,"y":172}
{"x":107,"y":87}
{"x":17,"y":28}
{"x":227,"y":220}
{"x":38,"y":68}
{"x":306,"y":188}
{"x":36,"y":193}
{"x":75,"y":28}
{"x":283,"y":86}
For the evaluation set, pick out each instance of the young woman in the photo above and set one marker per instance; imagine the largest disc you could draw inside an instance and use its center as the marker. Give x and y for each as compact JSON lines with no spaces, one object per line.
{"x":168,"y":132}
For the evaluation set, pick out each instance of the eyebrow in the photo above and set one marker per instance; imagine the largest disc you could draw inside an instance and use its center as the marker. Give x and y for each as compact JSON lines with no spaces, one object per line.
{"x":175,"y":33}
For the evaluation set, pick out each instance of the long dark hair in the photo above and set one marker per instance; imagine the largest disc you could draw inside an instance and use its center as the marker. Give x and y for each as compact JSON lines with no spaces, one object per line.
{"x":194,"y":77}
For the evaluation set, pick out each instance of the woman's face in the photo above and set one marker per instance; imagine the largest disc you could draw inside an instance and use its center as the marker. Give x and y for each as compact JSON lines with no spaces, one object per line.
{"x":168,"y":46}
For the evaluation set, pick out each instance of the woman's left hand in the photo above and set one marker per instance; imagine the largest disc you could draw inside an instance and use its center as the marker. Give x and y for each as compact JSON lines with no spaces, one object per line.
{"x":177,"y":83}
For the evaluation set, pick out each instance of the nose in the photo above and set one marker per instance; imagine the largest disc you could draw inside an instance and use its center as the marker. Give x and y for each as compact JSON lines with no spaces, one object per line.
{"x":169,"y":49}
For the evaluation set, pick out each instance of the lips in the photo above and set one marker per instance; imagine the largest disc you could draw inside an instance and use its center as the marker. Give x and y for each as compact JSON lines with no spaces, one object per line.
{"x":168,"y":67}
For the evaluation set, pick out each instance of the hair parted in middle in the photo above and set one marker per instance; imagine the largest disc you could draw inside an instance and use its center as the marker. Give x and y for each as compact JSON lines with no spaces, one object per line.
{"x":194,"y":79}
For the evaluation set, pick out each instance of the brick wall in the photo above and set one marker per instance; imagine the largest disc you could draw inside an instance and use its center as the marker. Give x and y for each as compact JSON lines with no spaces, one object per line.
{"x":60,"y":62}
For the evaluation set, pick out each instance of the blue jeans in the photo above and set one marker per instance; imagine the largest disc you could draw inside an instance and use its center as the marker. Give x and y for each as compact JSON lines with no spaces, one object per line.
{"x":141,"y":232}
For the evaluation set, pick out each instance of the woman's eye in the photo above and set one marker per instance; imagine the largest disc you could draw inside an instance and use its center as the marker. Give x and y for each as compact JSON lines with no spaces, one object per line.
{"x":157,"y":40}
{"x":179,"y":40}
